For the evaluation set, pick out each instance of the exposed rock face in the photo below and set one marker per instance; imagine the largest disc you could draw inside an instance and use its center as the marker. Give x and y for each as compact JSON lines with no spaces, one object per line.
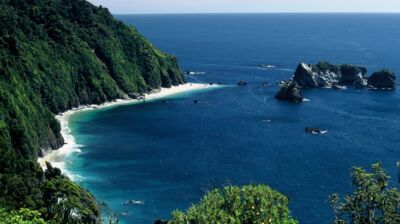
{"x":317,"y":76}
{"x":384,"y":79}
{"x":53,"y":142}
{"x":350,"y":73}
{"x":360,"y":82}
{"x":325,"y":74}
{"x":290,"y":91}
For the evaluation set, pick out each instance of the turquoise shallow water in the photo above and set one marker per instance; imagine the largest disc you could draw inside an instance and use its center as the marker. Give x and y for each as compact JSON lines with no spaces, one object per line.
{"x":168,"y":154}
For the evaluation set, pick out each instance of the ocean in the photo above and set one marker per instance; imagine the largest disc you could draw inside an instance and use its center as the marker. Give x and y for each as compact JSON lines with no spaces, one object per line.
{"x":167,"y":155}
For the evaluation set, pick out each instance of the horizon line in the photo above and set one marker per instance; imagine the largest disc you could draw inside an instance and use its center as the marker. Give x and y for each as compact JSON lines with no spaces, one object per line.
{"x":205,"y":13}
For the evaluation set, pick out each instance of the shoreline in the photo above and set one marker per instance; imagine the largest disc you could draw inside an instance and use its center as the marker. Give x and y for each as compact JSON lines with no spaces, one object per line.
{"x":57,"y":157}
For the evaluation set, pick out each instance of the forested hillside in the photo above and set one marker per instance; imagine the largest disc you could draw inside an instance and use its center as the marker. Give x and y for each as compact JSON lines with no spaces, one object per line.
{"x":55,"y":55}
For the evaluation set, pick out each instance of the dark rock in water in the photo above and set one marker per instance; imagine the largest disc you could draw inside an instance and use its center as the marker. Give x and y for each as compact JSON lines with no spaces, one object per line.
{"x":351,"y":72}
{"x":164,"y":101}
{"x":241,"y":83}
{"x":384,"y":79}
{"x":311,"y":130}
{"x":290,"y":91}
{"x":196,"y":101}
{"x":133,"y":202}
{"x":158,"y":221}
{"x":324,"y":74}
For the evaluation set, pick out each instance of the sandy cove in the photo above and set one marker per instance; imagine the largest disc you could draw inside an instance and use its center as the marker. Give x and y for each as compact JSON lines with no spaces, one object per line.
{"x":57,"y":157}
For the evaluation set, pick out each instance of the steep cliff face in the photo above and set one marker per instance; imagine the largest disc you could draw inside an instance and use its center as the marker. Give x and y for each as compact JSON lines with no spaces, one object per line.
{"x":55,"y":55}
{"x":324,"y":74}
{"x":58,"y":54}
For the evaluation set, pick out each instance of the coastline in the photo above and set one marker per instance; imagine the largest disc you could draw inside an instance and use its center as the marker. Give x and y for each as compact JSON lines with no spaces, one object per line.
{"x":57,"y":157}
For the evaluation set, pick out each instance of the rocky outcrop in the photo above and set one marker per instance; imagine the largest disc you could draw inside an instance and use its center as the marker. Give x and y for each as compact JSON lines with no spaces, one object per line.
{"x":324,"y":74}
{"x":316,"y":76}
{"x":54,"y":141}
{"x":350,"y":73}
{"x":314,"y":130}
{"x":290,"y":91}
{"x":384,"y":79}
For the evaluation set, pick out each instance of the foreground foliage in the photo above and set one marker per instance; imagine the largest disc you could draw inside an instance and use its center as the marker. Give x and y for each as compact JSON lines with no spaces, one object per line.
{"x":248,"y":204}
{"x":22,"y":216}
{"x":372,"y":202}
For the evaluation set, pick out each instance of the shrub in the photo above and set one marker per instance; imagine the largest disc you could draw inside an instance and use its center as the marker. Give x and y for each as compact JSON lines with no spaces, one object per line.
{"x":247,"y":204}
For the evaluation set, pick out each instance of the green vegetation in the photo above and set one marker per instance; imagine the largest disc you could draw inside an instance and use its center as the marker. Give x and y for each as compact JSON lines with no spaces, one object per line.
{"x":55,"y":55}
{"x":235,"y":205}
{"x":22,"y":216}
{"x":59,"y":54}
{"x":372,"y":202}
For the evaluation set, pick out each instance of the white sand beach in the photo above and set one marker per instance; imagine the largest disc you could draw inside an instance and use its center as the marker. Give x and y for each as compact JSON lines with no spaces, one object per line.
{"x":57,"y":157}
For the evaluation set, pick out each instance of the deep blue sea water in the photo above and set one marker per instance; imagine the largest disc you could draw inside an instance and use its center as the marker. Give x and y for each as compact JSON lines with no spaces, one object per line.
{"x":168,"y":155}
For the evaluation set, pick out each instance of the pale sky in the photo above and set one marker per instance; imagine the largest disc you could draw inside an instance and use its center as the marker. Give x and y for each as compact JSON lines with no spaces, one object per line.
{"x":234,"y":6}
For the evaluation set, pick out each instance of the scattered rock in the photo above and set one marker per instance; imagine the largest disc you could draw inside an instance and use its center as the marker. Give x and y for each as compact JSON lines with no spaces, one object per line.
{"x":241,"y":83}
{"x":290,"y":91}
{"x":312,"y":130}
{"x":384,"y":79}
{"x":133,"y":202}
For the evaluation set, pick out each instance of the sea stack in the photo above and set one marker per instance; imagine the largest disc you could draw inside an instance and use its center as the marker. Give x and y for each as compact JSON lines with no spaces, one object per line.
{"x":384,"y":79}
{"x":290,"y":91}
{"x":324,"y":74}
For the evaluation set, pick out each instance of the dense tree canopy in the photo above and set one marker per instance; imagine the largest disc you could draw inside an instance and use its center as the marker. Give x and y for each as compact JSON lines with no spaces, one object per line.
{"x":55,"y":55}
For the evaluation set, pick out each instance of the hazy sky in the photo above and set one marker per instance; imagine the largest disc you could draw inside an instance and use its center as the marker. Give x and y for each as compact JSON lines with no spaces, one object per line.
{"x":229,"y":6}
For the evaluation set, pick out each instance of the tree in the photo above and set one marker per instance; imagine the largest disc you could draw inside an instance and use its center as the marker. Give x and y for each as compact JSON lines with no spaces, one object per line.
{"x":23,"y":216}
{"x":372,"y":202}
{"x":238,"y":205}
